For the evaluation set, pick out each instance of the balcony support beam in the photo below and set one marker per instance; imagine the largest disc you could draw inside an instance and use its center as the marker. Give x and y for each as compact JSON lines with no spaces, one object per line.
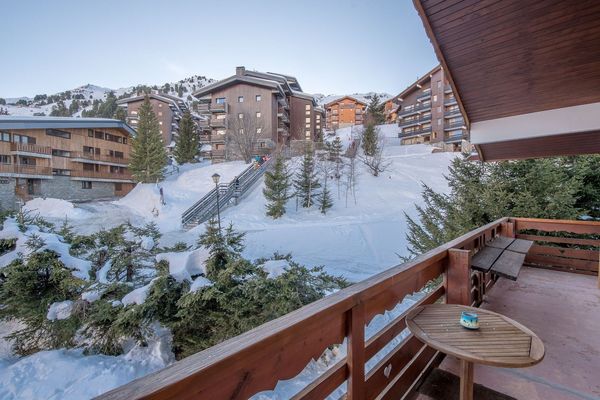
{"x":457,"y":278}
{"x":356,"y":352}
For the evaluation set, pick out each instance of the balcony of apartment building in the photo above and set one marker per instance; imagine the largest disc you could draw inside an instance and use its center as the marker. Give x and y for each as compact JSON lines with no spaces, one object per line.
{"x":283,"y":115}
{"x":25,"y":171}
{"x":454,"y":123}
{"x":93,"y":158}
{"x":415,"y":108}
{"x":408,"y":132}
{"x":208,"y":106}
{"x":426,"y":95}
{"x":456,"y":135}
{"x":30,"y":150}
{"x":414,"y":120}
{"x":555,"y":295}
{"x":447,"y":89}
{"x":450,"y":100}
{"x":216,"y":122}
{"x":101,"y":175}
{"x":452,"y":111}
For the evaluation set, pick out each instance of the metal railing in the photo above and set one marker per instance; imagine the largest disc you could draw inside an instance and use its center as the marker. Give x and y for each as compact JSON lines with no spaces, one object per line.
{"x":415,"y":108}
{"x":206,"y":207}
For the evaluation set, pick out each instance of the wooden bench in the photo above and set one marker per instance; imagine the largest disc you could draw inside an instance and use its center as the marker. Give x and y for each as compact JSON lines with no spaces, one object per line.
{"x":503,"y":256}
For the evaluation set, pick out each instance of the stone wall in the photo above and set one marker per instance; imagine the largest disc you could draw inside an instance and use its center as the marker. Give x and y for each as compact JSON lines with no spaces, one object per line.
{"x":62,"y":187}
{"x":8,"y":199}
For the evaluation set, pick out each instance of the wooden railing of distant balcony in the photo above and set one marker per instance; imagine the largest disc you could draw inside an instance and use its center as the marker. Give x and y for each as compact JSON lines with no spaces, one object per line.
{"x":31,"y":148}
{"x":124,"y":176}
{"x":278,"y":350}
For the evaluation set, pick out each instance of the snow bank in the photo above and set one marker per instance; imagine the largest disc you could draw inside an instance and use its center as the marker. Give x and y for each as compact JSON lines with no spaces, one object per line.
{"x":180,"y":191}
{"x":137,"y":296}
{"x":69,"y":375}
{"x":275,"y":268}
{"x":60,"y":310}
{"x":199,"y":283}
{"x":54,"y":208}
{"x":51,"y":242}
{"x":183,"y":265}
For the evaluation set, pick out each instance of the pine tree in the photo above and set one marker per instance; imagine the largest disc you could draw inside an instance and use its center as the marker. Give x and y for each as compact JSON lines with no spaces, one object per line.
{"x":325,"y":200}
{"x":277,"y":189}
{"x":186,"y":147}
{"x":223,"y":247}
{"x":306,"y":182}
{"x":375,"y":111}
{"x":120,"y":114}
{"x":370,"y":140}
{"x":60,"y":110}
{"x":148,"y":155}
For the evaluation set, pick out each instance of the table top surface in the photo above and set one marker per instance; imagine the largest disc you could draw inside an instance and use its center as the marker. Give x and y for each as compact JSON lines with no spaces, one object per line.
{"x":499,"y":341}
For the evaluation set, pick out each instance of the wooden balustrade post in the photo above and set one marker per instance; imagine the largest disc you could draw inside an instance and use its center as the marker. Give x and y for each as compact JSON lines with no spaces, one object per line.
{"x":356,"y":353}
{"x":457,"y":278}
{"x":508,"y":229}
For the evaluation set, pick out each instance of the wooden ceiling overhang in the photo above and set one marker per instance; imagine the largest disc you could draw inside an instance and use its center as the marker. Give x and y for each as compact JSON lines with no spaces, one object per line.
{"x":526,"y":74}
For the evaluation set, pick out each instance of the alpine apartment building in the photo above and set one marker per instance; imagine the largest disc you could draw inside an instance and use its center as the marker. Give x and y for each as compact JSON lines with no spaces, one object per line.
{"x":168,"y":110}
{"x":345,"y":111}
{"x":427,"y":112}
{"x":65,"y":158}
{"x":268,"y":106}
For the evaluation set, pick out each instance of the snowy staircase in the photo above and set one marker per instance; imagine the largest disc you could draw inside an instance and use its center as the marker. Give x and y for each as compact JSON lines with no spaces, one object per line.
{"x":229,"y":193}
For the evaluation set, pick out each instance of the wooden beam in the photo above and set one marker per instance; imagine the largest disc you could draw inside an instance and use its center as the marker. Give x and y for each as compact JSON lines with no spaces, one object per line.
{"x":356,"y":353}
{"x":458,"y":277}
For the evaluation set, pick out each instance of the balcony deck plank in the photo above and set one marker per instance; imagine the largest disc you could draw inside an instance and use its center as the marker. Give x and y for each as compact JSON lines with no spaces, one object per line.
{"x":562,"y":309}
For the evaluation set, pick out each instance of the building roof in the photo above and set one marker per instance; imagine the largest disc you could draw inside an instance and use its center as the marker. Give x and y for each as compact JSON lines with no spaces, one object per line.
{"x":415,"y":85}
{"x":345,"y":97}
{"x":18,"y":122}
{"x":175,"y":101}
{"x":284,"y":84}
{"x":525,"y":74}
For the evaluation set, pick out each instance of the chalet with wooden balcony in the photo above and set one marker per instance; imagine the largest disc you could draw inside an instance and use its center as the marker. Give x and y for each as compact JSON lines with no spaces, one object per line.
{"x":272,"y":106}
{"x":66,"y":158}
{"x":551,"y":286}
{"x":345,"y":111}
{"x":427,"y":112}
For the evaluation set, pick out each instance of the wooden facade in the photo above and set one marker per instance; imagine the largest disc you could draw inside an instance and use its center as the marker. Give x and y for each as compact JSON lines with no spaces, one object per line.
{"x":255,"y":361}
{"x":343,"y":112}
{"x":33,"y":155}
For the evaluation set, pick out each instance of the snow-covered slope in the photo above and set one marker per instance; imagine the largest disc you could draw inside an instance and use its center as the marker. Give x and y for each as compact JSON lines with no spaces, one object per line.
{"x":43,"y":104}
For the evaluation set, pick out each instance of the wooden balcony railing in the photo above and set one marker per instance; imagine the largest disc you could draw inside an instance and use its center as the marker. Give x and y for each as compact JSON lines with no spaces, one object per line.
{"x":278,"y":350}
{"x":98,"y":157}
{"x":24,"y":169}
{"x":125,"y":176}
{"x":31,"y":148}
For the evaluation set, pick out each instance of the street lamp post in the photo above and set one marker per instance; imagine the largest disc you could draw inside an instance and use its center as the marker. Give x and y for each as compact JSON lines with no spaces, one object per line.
{"x":216,"y":177}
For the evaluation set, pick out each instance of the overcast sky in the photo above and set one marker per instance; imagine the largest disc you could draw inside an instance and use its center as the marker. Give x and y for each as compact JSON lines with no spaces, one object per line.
{"x":332,"y":47}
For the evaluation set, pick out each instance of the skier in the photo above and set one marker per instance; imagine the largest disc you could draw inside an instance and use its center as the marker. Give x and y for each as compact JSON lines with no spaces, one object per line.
{"x":162,"y":197}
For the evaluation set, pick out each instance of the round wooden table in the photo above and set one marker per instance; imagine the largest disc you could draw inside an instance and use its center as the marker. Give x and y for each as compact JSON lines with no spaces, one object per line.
{"x":499,"y":341}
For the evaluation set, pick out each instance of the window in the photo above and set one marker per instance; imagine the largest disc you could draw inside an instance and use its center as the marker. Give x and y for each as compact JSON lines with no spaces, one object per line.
{"x":259,"y":130}
{"x":307,"y":113}
{"x":115,"y":170}
{"x":23,"y":139}
{"x":434,"y":98}
{"x":307,"y":126}
{"x":99,"y":135}
{"x":439,"y":121}
{"x":307,"y":107}
{"x":134,"y":121}
{"x":86,"y":184}
{"x":240,"y":99}
{"x":241,"y":116}
{"x":61,"y":172}
{"x":307,"y":120}
{"x":134,"y":113}
{"x":160,"y":113}
{"x":220,"y":100}
{"x":263,"y":145}
{"x":90,"y":133}
{"x":258,"y":114}
{"x":90,"y":167}
{"x":241,"y":131}
{"x":439,"y":84}
{"x":116,"y":154}
{"x":258,"y":97}
{"x":4,"y":137}
{"x":124,"y":140}
{"x":58,"y":133}
{"x":61,"y":153}
{"x":439,"y":109}
{"x":91,"y":150}
{"x":159,"y":105}
{"x":4,"y":159}
{"x":118,"y":187}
